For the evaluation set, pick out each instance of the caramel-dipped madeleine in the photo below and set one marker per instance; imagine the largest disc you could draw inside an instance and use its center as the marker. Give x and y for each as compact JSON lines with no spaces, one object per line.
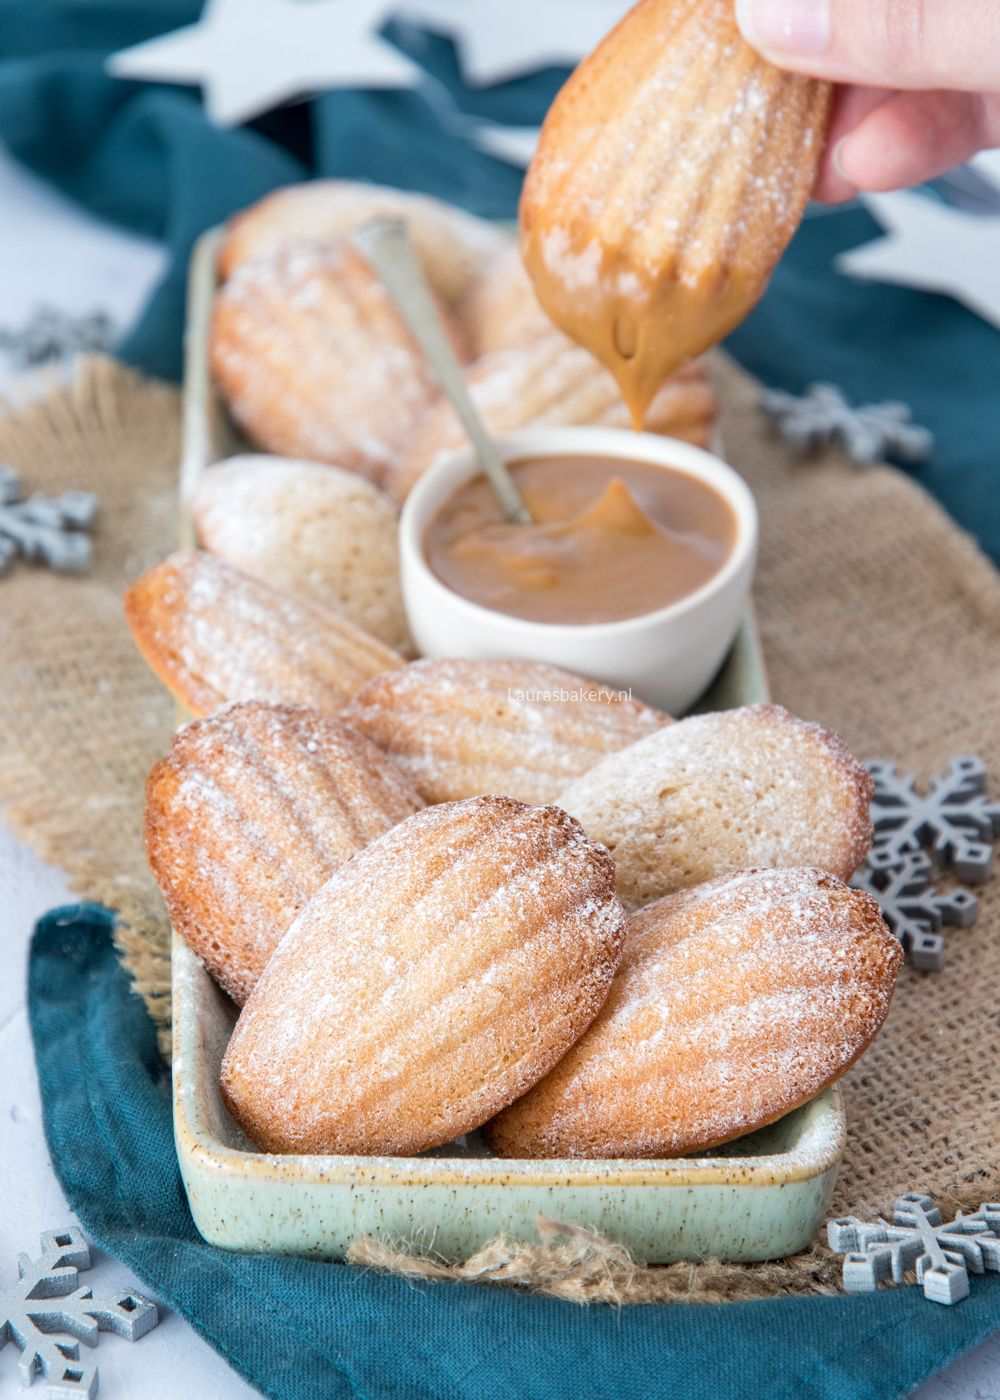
{"x":251,"y":811}
{"x":458,"y":727}
{"x":735,"y":1002}
{"x":314,"y":360}
{"x":672,"y":170}
{"x":214,"y":635}
{"x":726,"y":791}
{"x":437,"y":976}
{"x":553,"y":382}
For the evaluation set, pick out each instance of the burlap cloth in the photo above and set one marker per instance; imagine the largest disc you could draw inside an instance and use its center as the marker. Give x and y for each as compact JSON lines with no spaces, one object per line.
{"x":878,"y":616}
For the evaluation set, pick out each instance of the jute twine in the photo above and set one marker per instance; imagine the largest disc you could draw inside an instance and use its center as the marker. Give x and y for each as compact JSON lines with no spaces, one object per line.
{"x":878,"y":617}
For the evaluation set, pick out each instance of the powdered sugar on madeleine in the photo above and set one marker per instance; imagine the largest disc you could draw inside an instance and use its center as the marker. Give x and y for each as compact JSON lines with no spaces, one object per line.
{"x":453,"y":246}
{"x":431,"y":981}
{"x":310,"y":529}
{"x":748,"y":787}
{"x":214,"y":635}
{"x":250,"y":812}
{"x":459,"y":727}
{"x":735,"y":1001}
{"x":315,"y":361}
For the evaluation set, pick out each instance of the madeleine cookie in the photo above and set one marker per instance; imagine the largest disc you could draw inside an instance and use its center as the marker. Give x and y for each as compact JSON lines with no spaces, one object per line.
{"x":551,"y":381}
{"x":434,"y":978}
{"x":453,"y":246}
{"x":315,"y":361}
{"x":458,"y":728}
{"x":501,"y":310}
{"x":214,"y":635}
{"x":249,"y":814}
{"x":735,"y":1002}
{"x":725,"y":791}
{"x":671,"y":172}
{"x":315,"y":531}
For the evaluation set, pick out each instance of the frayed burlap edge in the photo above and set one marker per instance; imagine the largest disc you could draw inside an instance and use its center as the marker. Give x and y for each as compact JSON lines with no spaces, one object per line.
{"x":141,"y":928}
{"x":580,"y":1266}
{"x":115,"y":432}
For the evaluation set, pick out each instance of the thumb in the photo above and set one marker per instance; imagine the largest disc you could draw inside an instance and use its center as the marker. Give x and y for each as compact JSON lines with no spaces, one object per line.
{"x":887,"y":43}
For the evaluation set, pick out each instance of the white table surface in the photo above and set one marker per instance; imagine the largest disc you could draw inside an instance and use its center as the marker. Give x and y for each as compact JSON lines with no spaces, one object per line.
{"x":50,"y":251}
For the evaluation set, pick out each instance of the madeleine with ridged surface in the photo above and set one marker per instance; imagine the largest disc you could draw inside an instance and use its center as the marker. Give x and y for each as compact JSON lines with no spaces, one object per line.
{"x":726,"y":791}
{"x":323,"y":533}
{"x":672,"y":170}
{"x":314,"y":360}
{"x":430,"y":982}
{"x":249,"y":814}
{"x":501,"y":309}
{"x":213,"y":635}
{"x":453,"y":246}
{"x":735,"y":1002}
{"x":550,"y":382}
{"x":459,"y":727}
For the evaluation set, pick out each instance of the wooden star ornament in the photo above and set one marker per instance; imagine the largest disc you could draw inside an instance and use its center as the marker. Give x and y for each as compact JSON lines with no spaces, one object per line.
{"x":252,"y":55}
{"x":502,"y":39}
{"x":934,"y":247}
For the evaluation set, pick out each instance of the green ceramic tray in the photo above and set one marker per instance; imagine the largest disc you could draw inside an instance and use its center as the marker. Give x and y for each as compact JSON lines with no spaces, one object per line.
{"x":759,"y":1198}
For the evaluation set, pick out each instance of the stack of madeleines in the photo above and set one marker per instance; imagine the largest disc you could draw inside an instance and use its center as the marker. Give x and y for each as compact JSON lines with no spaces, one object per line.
{"x":316,"y":364}
{"x":454,"y":894}
{"x":319,"y":370}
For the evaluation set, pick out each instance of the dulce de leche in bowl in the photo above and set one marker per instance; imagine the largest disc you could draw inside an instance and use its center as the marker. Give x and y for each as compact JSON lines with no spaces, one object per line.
{"x":634,"y":571}
{"x":612,"y":538}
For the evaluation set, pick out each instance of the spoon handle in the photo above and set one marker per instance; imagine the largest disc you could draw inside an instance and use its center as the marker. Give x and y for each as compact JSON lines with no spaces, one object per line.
{"x":385,"y":242}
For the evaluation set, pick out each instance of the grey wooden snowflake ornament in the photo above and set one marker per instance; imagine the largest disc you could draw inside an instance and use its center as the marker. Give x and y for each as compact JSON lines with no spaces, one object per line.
{"x":954,"y":818}
{"x":912,"y":908}
{"x":50,"y":334}
{"x":47,"y":1314}
{"x":942,"y":1254}
{"x":867,"y":432}
{"x":47,"y":530}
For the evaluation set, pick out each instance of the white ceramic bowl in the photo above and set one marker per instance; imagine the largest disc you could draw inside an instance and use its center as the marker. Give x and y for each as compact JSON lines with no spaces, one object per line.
{"x":665,"y":657}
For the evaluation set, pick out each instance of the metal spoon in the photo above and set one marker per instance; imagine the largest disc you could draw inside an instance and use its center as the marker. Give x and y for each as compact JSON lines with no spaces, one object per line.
{"x":385,"y":242}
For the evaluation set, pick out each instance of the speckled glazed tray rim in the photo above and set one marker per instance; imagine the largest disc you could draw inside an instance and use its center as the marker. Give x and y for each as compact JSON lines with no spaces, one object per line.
{"x":245,"y":1199}
{"x":761,"y":1205}
{"x":816,"y":1149}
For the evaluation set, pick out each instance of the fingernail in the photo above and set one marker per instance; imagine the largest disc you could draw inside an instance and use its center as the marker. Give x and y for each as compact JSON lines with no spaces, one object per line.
{"x":836,"y":158}
{"x":786,"y":26}
{"x":850,"y":190}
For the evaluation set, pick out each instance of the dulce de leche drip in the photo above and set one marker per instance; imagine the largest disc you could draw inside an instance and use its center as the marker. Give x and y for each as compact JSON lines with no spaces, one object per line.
{"x":672,"y":170}
{"x":610,"y":539}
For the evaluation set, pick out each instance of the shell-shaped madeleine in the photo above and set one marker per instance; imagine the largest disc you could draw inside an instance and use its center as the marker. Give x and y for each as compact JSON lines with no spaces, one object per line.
{"x":501,"y":309}
{"x":213,"y":635}
{"x":250,"y":812}
{"x":718,"y":792}
{"x":550,"y":381}
{"x":735,"y":1002}
{"x":325,"y":534}
{"x":453,"y":246}
{"x":459,"y":727}
{"x":672,"y":170}
{"x":315,"y":361}
{"x":435,"y":977}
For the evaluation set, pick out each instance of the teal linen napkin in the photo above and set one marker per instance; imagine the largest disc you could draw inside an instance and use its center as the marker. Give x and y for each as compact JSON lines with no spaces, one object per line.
{"x":304,"y":1330}
{"x":146,"y":157}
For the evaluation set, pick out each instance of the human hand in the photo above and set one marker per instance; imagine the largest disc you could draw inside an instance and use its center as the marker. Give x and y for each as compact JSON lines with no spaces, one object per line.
{"x":918,"y":82}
